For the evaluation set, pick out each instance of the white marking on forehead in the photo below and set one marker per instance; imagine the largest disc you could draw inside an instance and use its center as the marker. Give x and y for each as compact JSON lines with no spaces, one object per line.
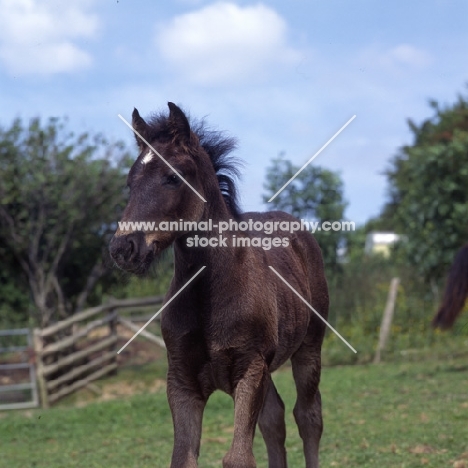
{"x":148,"y":157}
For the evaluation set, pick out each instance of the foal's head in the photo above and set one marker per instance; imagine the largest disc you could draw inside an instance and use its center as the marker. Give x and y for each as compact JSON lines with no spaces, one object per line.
{"x":178,"y":167}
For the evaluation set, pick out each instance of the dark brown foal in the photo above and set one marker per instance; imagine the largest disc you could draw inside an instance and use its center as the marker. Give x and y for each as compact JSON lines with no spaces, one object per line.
{"x":236,"y":322}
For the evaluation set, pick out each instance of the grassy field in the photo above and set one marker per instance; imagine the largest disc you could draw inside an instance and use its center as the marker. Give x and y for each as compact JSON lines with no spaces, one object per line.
{"x":390,"y":415}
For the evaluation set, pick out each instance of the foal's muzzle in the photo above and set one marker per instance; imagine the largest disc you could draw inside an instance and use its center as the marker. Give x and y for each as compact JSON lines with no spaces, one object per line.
{"x":131,"y":253}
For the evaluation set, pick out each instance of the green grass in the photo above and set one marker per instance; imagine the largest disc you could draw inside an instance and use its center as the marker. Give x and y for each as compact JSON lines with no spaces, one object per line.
{"x":389,"y":415}
{"x":405,"y":344}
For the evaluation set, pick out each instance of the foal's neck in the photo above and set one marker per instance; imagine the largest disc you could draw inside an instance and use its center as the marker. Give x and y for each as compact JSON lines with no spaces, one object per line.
{"x":219,"y":258}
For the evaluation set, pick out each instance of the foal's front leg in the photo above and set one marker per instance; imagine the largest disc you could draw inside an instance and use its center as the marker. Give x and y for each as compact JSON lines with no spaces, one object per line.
{"x":249,"y":395}
{"x":187,"y":405}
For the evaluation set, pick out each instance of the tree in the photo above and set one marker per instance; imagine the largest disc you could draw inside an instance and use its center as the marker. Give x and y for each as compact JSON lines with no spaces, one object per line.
{"x":315,"y":194}
{"x":60,"y":196}
{"x":428,"y":195}
{"x":14,"y":294}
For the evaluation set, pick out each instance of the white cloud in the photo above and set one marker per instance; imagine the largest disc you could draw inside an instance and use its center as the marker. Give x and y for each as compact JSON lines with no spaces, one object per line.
{"x":407,"y":55}
{"x":224,"y":43}
{"x":36,"y":37}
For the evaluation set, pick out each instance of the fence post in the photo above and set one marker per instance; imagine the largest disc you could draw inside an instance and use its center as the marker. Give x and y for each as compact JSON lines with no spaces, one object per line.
{"x":32,"y":369}
{"x":387,"y":318}
{"x":38,"y":345}
{"x":113,"y":332}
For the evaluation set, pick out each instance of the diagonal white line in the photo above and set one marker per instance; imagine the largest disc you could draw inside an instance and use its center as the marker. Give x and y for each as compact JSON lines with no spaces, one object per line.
{"x":313,"y":310}
{"x":312,"y":158}
{"x":161,"y":309}
{"x":156,"y":152}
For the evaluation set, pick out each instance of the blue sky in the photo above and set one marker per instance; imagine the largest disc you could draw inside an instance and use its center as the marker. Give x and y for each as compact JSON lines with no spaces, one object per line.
{"x":279,"y":76}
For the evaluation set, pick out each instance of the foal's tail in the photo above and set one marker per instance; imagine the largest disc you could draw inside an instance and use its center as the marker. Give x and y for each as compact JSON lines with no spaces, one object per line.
{"x":456,"y":291}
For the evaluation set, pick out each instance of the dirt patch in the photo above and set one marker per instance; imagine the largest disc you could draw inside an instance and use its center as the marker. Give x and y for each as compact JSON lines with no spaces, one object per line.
{"x":420,"y":448}
{"x":138,"y":352}
{"x":118,"y":390}
{"x":461,"y":464}
{"x":122,"y":389}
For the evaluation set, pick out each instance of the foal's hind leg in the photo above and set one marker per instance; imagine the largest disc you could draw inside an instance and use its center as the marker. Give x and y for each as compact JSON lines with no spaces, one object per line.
{"x":308,"y":408}
{"x":273,"y":428}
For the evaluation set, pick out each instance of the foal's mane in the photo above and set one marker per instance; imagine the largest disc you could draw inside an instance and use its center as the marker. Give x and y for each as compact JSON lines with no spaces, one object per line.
{"x":217,"y":145}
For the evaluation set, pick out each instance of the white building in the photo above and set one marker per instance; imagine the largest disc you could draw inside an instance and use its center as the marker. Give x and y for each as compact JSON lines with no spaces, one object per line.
{"x":381,"y":242}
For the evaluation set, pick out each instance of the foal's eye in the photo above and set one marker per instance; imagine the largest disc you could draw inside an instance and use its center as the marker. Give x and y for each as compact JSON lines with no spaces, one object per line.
{"x":173,"y":179}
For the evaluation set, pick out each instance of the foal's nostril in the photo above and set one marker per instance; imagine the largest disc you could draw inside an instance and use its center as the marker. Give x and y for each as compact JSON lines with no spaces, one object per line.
{"x":132,"y":246}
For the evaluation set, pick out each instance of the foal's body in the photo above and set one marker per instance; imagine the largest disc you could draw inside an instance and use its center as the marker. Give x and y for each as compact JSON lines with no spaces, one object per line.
{"x":233,"y":337}
{"x":235,"y":324}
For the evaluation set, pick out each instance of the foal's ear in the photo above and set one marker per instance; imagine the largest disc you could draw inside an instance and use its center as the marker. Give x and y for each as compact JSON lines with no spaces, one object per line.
{"x":179,"y":122}
{"x":140,"y":126}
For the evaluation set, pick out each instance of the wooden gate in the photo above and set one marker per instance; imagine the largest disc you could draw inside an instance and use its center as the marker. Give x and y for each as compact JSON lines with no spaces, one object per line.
{"x":18,"y":387}
{"x":73,"y":353}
